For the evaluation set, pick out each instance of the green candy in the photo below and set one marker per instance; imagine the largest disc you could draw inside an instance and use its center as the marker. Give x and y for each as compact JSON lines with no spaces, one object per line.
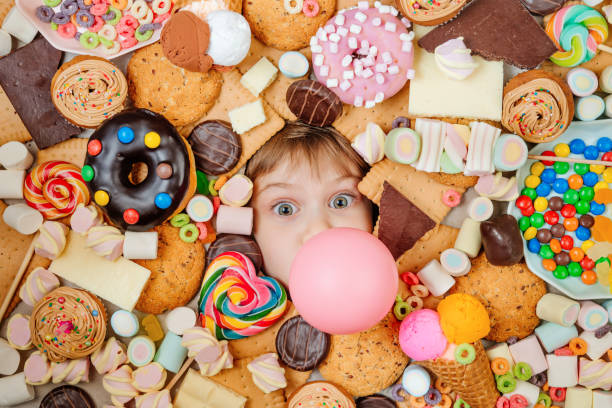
{"x":465,"y":353}
{"x":546,"y":252}
{"x":52,"y":3}
{"x":574,"y":269}
{"x":545,"y":400}
{"x":506,"y":383}
{"x":583,"y":207}
{"x":587,"y":193}
{"x":602,"y":259}
{"x":459,"y":403}
{"x":179,"y":220}
{"x":189,"y":233}
{"x":87,"y":172}
{"x":561,"y":167}
{"x":524,"y":223}
{"x":581,"y":168}
{"x":401,"y":308}
{"x":89,"y":40}
{"x":522,"y":371}
{"x":560,"y":272}
{"x":529,"y":192}
{"x":202,"y":180}
{"x":141,"y":37}
{"x":118,"y":15}
{"x":54,"y":26}
{"x":571,"y":196}
{"x":536,"y":220}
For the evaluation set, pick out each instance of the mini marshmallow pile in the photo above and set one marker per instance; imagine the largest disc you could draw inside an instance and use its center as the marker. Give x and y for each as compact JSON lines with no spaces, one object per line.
{"x":343,"y":58}
{"x":17,"y":25}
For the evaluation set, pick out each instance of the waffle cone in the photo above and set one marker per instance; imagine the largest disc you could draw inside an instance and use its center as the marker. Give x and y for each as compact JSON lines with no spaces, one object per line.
{"x":474,"y":382}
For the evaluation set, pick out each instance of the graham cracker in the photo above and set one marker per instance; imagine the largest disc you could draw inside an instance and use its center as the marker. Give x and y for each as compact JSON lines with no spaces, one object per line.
{"x":353,"y":120}
{"x":276,"y":93}
{"x":416,"y":186}
{"x":34,"y":263}
{"x":71,"y":150}
{"x":11,"y":126}
{"x":427,"y":248}
{"x":239,"y":379}
{"x":234,"y":95}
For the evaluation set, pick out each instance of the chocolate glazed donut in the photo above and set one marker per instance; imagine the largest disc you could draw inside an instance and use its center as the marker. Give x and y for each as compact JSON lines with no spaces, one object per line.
{"x":128,"y":138}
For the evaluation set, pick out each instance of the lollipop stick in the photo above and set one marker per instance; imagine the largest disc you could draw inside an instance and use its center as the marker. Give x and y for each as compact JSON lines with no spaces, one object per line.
{"x":180,"y":373}
{"x":605,"y":48}
{"x":17,"y":279}
{"x":569,"y":160}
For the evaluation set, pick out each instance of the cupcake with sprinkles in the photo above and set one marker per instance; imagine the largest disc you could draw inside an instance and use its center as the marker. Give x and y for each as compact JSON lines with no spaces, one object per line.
{"x":68,"y":323}
{"x":88,"y":90}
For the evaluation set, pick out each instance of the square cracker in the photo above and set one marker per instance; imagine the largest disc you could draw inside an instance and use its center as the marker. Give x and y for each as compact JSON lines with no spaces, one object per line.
{"x":427,"y":248}
{"x":276,"y":93}
{"x":34,"y":263}
{"x":416,"y":186}
{"x":11,"y":126}
{"x":234,"y":95}
{"x":239,"y":379}
{"x":71,"y":150}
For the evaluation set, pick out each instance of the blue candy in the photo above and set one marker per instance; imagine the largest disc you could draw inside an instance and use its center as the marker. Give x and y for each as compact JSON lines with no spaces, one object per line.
{"x":591,"y":153}
{"x":560,"y":186}
{"x":125,"y":134}
{"x":590,"y":179}
{"x":577,"y":146}
{"x":583,"y":233}
{"x":597,"y":209}
{"x":163,"y":201}
{"x":604,"y":144}
{"x":534,"y":246}
{"x":543,"y":189}
{"x":548,"y":176}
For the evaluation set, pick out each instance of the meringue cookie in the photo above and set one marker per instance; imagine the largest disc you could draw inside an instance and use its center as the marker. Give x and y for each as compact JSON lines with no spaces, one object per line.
{"x":455,"y":59}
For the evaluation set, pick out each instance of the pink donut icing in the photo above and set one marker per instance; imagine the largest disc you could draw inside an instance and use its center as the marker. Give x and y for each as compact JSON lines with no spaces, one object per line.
{"x":364,"y":55}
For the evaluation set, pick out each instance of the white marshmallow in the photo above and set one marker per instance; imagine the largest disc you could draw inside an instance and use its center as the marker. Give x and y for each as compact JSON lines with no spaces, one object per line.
{"x":469,"y":239}
{"x":316,"y":49}
{"x":15,"y":156}
{"x":9,"y":357}
{"x":14,"y":390}
{"x":140,"y":245}
{"x":234,"y":220}
{"x":333,"y":47}
{"x":330,"y":28}
{"x":379,"y":97}
{"x":334,"y":38}
{"x":355,"y":29}
{"x":578,"y":397}
{"x":318,"y":60}
{"x":359,"y":16}
{"x":11,"y":183}
{"x":339,"y":20}
{"x":562,"y":370}
{"x":386,"y":57}
{"x":527,"y":390}
{"x":346,"y":61}
{"x":596,"y":347}
{"x":500,"y":350}
{"x":380,"y":79}
{"x":344,"y":85}
{"x":324,"y":70}
{"x":370,"y":104}
{"x":19,"y":26}
{"x":393,"y":70}
{"x":376,"y":21}
{"x":352,"y":43}
{"x":367,"y":73}
{"x":602,"y":399}
{"x":6,"y":43}
{"x":435,"y":278}
{"x":391,"y":27}
{"x":332,"y":83}
{"x":180,"y":319}
{"x":342,"y":31}
{"x":22,"y":218}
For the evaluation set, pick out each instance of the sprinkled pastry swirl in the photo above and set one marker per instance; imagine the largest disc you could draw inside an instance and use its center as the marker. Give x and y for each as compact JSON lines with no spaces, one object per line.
{"x":235,"y":302}
{"x":55,"y":188}
{"x":319,"y":394}
{"x":89,"y":90}
{"x":428,"y":12}
{"x":68,"y":323}
{"x":537,"y":106}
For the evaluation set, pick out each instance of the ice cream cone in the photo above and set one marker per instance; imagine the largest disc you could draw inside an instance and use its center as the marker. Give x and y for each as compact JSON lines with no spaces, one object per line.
{"x":473,"y":382}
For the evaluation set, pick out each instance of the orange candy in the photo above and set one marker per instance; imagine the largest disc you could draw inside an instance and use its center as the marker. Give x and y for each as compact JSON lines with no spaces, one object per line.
{"x":576,"y":254}
{"x":602,"y":229}
{"x":574,"y":181}
{"x":589,"y":277}
{"x":555,"y":246}
{"x":578,"y":346}
{"x":549,"y":264}
{"x":603,"y":196}
{"x":570,"y":224}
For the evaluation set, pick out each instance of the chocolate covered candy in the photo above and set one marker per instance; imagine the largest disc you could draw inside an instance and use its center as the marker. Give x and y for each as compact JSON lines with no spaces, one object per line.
{"x":215,"y":146}
{"x":67,"y":396}
{"x":246,"y":245}
{"x":502,"y":240}
{"x":543,"y":7}
{"x":375,"y":401}
{"x":301,"y":346}
{"x":313,"y":103}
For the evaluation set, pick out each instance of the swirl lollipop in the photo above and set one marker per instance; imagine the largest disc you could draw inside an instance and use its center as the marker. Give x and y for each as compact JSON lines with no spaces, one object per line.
{"x":55,"y":188}
{"x":576,"y":31}
{"x":235,"y":302}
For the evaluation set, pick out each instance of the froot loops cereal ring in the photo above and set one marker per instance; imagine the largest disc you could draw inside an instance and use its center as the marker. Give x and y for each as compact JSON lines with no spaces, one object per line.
{"x":500,"y":366}
{"x":578,"y":346}
{"x":84,"y":18}
{"x":52,"y":3}
{"x":139,"y":9}
{"x":446,"y":402}
{"x":538,"y":379}
{"x":310,"y":8}
{"x":415,"y":302}
{"x":576,"y":30}
{"x":112,"y":48}
{"x":99,"y":8}
{"x":545,"y":400}
{"x":69,"y":7}
{"x":506,"y":383}
{"x":67,"y":30}
{"x":522,"y":371}
{"x":112,"y":16}
{"x":417,"y":402}
{"x":128,"y":42}
{"x":420,"y":290}
{"x":451,"y":198}
{"x":161,"y":6}
{"x":557,"y":394}
{"x":189,"y":233}
{"x":235,"y":302}
{"x":433,"y":397}
{"x":465,"y":354}
{"x":409,"y":278}
{"x":442,"y":387}
{"x":518,"y":401}
{"x":293,"y":6}
{"x":147,"y":19}
{"x":460,"y":403}
{"x":502,"y":402}
{"x":119,"y":4}
{"x":55,"y":188}
{"x":401,"y":309}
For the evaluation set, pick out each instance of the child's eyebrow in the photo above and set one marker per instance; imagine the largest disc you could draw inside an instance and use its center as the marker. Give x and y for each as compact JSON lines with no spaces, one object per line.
{"x":277,"y":185}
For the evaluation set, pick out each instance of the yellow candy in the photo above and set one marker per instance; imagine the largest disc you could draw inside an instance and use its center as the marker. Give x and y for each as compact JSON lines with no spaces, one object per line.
{"x":101,"y":198}
{"x":602,"y":270}
{"x":597,"y":168}
{"x":600,"y":185}
{"x":607,"y":175}
{"x":151,"y":325}
{"x":152,"y":140}
{"x":562,"y":150}
{"x":586,"y":245}
{"x":537,"y":168}
{"x":532,"y":181}
{"x":540,"y":204}
{"x":530,"y":233}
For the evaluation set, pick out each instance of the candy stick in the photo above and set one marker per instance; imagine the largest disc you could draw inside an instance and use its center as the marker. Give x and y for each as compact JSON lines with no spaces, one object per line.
{"x":605,"y":48}
{"x":180,"y":373}
{"x":569,"y":160}
{"x":17,"y":279}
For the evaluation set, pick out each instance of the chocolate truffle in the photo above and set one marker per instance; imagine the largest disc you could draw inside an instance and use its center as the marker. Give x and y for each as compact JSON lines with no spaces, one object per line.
{"x":502,"y":241}
{"x":215,"y":146}
{"x":313,"y":103}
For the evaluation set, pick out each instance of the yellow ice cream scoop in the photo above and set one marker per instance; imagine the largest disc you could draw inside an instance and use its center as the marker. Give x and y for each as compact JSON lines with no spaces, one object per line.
{"x":463,"y":318}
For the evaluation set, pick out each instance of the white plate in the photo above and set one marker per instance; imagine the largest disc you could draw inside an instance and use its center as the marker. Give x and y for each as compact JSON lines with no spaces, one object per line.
{"x":28,"y":9}
{"x":571,"y":286}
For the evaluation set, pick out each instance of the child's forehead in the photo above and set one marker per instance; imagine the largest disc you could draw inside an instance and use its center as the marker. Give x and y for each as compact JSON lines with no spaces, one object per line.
{"x":323,"y":167}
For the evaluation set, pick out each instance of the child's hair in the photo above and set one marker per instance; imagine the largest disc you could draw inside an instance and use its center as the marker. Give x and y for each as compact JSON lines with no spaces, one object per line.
{"x":298,"y":141}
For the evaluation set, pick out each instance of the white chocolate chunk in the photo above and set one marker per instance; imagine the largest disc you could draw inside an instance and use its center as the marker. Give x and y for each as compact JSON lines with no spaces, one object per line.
{"x":332,"y":83}
{"x":259,"y":76}
{"x":246,"y":117}
{"x":391,"y":27}
{"x":355,"y":29}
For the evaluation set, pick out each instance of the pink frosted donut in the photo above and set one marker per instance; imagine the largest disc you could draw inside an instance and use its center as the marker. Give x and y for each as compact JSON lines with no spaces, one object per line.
{"x":364,"y":54}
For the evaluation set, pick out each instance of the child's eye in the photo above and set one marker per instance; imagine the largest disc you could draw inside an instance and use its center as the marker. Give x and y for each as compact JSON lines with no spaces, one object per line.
{"x":284,"y":209}
{"x":341,"y":201}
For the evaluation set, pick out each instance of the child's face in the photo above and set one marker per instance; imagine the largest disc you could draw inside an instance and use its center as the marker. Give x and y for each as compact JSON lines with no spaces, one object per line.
{"x":292,"y":203}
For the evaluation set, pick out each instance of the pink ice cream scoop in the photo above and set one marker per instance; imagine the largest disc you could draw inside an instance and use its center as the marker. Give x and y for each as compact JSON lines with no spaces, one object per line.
{"x":421,"y":336}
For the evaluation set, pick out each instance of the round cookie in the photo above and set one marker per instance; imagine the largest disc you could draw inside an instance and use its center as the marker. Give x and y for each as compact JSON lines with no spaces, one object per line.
{"x":176,"y":273}
{"x":67,"y":396}
{"x":367,"y":362}
{"x":317,"y":394}
{"x":275,"y":27}
{"x":246,"y":245}
{"x":156,"y":84}
{"x":376,"y":401}
{"x":508,"y":293}
{"x":300,"y":346}
{"x":216,"y":147}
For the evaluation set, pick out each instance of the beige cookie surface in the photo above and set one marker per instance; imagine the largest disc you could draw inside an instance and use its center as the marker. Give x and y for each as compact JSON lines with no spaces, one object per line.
{"x":509,"y":293}
{"x":181,"y":96}
{"x":274,"y":26}
{"x":176,"y":273}
{"x":367,"y":362}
